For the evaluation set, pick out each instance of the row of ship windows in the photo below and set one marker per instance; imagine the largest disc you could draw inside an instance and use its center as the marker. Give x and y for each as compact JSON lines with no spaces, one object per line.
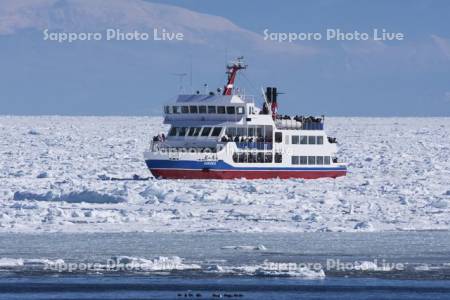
{"x":203,"y":109}
{"x":256,"y":157}
{"x":300,"y":139}
{"x":310,"y":160}
{"x":244,"y":131}
{"x":215,"y":131}
{"x":307,"y":140}
{"x":266,"y":157}
{"x":195,"y":131}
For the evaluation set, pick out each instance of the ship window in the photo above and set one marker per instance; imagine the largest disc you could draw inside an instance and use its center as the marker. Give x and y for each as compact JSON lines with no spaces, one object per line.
{"x":166,"y":109}
{"x":251,"y":131}
{"x":278,"y":157}
{"x":260,"y":157}
{"x":242,"y":157}
{"x":319,"y":160}
{"x":259,"y":131}
{"x":202,"y":109}
{"x":197,"y":131}
{"x":295,"y":139}
{"x":303,"y":160}
{"x":191,"y":131}
{"x":193,"y":109}
{"x":295,"y":160}
{"x":240,"y":110}
{"x":182,"y":131}
{"x":216,"y":131}
{"x":235,"y":157}
{"x":303,"y":140}
{"x":176,"y":109}
{"x":326,"y":160}
{"x":311,"y":140}
{"x":231,"y":131}
{"x":320,"y":140}
{"x":241,"y":131}
{"x":230,"y":110}
{"x":311,"y":160}
{"x":173,"y":131}
{"x":211,"y":109}
{"x":220,"y":109}
{"x":206,"y":131}
{"x":278,"y":137}
{"x":268,"y":157}
{"x":251,"y":157}
{"x":185,"y":109}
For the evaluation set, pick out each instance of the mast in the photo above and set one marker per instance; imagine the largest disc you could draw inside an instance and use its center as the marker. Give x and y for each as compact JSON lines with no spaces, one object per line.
{"x":232,"y":70}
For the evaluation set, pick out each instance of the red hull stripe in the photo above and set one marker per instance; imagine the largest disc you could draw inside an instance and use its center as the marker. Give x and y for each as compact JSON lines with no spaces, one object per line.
{"x":233,"y":174}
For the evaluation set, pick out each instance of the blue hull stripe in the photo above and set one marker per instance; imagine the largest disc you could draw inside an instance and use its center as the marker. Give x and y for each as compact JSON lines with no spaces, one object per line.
{"x":221,"y":165}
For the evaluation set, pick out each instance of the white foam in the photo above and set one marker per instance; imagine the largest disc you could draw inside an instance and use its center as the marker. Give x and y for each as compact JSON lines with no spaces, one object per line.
{"x":160,"y":263}
{"x":268,"y":269}
{"x":10,"y":262}
{"x":28,"y":262}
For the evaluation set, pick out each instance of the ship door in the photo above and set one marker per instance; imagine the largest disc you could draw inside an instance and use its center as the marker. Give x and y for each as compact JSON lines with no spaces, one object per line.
{"x":278,"y":137}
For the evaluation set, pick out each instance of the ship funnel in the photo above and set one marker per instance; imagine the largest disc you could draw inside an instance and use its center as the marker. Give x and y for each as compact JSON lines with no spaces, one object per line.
{"x":271,"y":96}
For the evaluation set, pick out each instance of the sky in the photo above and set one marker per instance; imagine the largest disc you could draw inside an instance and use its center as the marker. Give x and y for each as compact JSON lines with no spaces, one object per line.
{"x":409,"y":77}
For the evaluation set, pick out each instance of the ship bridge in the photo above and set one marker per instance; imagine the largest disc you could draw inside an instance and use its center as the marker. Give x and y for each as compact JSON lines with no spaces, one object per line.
{"x":208,"y":109}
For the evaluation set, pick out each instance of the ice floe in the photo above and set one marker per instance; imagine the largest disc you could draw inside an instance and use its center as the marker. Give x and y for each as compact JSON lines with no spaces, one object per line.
{"x":78,"y":174}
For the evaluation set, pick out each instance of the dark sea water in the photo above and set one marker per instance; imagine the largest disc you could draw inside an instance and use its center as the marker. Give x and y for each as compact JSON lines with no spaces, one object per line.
{"x":400,"y":265}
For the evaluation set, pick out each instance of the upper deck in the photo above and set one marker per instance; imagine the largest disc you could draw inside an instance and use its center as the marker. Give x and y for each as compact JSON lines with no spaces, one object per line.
{"x":209,"y":109}
{"x":231,"y":106}
{"x":199,"y":110}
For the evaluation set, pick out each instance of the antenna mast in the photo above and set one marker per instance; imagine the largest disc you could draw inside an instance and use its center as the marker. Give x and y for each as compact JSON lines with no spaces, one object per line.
{"x":232,"y":70}
{"x":180,"y":76}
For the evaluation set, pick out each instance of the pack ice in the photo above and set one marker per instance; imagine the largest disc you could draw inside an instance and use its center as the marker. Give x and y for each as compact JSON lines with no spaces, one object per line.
{"x":57,"y":174}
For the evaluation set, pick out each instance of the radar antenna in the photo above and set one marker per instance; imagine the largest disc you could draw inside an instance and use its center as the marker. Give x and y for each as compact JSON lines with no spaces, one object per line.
{"x":232,"y":69}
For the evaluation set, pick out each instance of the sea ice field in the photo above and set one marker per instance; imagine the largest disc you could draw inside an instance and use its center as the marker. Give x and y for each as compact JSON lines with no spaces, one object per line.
{"x":56,"y":171}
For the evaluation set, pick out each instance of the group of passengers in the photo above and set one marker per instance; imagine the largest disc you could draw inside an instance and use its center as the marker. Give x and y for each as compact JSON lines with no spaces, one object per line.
{"x":309,"y":119}
{"x":332,"y":140}
{"x":159,"y":138}
{"x":245,"y":139}
{"x":301,"y":119}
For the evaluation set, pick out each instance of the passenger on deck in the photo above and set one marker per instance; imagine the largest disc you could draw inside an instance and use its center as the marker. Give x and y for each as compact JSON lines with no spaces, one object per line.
{"x":265,"y":110}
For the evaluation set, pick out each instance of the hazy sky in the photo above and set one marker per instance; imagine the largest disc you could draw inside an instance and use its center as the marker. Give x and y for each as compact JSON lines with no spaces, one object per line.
{"x":409,"y":77}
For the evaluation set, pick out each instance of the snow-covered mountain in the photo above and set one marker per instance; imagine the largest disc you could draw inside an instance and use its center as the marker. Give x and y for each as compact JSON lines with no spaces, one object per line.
{"x":140,"y":15}
{"x":116,"y":77}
